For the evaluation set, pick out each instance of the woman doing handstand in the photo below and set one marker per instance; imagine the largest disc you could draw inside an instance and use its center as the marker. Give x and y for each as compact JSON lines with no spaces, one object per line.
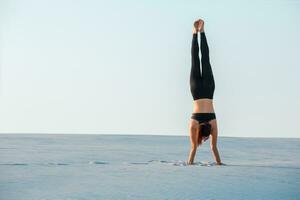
{"x":203,"y":123}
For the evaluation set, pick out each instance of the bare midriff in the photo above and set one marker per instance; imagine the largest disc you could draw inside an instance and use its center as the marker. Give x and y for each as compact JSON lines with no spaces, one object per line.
{"x":203,"y":106}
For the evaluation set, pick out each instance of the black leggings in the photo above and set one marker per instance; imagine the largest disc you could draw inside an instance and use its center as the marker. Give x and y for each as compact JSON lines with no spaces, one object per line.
{"x":201,"y":86}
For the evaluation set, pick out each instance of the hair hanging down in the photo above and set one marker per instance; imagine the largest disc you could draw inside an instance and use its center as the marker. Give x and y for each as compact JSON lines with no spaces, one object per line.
{"x":205,"y":129}
{"x":204,"y":132}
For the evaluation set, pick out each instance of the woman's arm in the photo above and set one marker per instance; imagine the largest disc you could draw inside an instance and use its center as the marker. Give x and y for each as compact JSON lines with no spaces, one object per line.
{"x":216,"y":155}
{"x":213,"y":142}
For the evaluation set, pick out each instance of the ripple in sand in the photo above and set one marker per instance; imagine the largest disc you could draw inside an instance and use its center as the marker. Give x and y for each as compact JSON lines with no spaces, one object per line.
{"x":15,"y":164}
{"x":98,"y":162}
{"x":53,"y":163}
{"x":139,"y":163}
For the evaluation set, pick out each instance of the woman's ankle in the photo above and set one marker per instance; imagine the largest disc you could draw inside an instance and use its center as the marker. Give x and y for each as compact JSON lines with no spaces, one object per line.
{"x":195,"y":30}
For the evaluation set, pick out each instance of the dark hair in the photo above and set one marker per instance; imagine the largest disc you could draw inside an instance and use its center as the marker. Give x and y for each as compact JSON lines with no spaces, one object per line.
{"x":205,"y":129}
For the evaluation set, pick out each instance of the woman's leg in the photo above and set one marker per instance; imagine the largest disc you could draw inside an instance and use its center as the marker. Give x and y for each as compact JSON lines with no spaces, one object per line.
{"x":195,"y":75}
{"x":207,"y":73}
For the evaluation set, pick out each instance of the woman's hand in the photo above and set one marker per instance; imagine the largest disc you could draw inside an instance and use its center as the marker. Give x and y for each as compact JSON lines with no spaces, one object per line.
{"x":220,"y":163}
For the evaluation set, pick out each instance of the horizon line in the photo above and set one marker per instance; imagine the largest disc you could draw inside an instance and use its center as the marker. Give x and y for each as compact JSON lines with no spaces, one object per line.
{"x":168,"y":135}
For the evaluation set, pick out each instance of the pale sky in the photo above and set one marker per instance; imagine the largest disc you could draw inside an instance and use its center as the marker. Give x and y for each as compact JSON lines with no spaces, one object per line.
{"x":122,"y":67}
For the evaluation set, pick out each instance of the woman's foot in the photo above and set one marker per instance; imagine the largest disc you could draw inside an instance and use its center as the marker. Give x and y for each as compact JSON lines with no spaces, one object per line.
{"x":195,"y":28}
{"x":201,"y":25}
{"x":198,"y":26}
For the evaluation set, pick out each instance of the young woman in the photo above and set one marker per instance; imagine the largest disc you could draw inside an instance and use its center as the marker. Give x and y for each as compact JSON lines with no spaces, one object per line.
{"x":203,"y":122}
